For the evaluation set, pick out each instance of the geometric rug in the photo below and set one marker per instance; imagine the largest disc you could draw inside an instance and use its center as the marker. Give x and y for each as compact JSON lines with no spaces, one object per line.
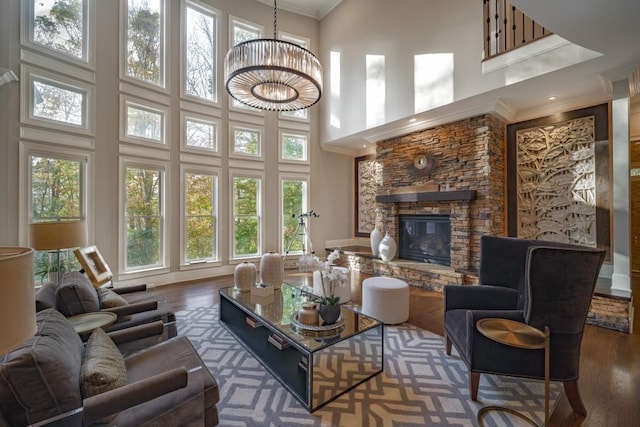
{"x":420,"y":385}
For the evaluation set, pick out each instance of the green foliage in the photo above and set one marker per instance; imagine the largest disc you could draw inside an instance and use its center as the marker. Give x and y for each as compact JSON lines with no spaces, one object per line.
{"x":143,"y":216}
{"x":246,"y":141}
{"x":55,"y":188}
{"x":143,"y":41}
{"x":201,"y":225}
{"x":293,"y":147}
{"x":292,"y":206}
{"x":61,"y":28}
{"x":246,"y":221}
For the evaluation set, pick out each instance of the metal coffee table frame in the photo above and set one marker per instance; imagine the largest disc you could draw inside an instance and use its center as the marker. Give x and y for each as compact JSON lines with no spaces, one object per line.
{"x":334,"y":365}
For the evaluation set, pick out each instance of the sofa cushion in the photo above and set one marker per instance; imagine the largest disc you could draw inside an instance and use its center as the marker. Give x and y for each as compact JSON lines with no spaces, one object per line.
{"x":103,"y":367}
{"x":46,"y":296}
{"x":39,"y":379}
{"x":110,"y":299}
{"x":75,"y":295}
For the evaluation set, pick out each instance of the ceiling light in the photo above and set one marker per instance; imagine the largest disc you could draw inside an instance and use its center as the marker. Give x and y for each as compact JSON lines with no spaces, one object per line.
{"x":271,"y":74}
{"x":552,"y":98}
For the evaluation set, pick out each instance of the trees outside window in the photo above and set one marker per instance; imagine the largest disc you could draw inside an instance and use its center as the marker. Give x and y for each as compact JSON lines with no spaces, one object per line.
{"x":145,"y":41}
{"x":143,"y":217}
{"x":247,"y":142}
{"x":58,"y":102}
{"x":293,"y":146}
{"x":60,"y":25}
{"x":145,"y":123}
{"x":294,"y":202}
{"x":200,"y":54}
{"x":246,"y":216}
{"x":201,"y":193}
{"x":202,"y":134}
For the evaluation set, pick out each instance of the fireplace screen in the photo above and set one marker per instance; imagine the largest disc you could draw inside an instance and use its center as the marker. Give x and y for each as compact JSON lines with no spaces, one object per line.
{"x":425,"y":238}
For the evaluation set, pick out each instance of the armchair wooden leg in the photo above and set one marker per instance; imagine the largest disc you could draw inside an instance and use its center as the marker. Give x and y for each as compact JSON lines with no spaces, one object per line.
{"x":474,"y":381}
{"x":573,"y":396}
{"x":447,"y":345}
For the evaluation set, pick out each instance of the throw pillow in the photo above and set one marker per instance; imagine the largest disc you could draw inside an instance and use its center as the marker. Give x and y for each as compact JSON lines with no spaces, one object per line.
{"x":109,"y":299}
{"x":75,"y":295}
{"x":103,"y":366}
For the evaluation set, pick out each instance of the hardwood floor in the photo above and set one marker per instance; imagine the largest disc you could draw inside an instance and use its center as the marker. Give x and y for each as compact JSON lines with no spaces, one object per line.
{"x":610,"y":360}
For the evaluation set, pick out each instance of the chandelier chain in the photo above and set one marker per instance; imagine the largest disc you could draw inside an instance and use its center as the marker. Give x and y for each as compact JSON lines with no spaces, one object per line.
{"x":275,"y":19}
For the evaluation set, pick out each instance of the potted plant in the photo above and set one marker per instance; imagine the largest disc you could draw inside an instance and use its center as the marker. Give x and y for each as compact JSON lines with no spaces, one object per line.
{"x":331,"y":278}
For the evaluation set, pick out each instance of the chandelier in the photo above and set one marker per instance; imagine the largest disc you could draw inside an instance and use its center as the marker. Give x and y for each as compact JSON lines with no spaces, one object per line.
{"x":271,"y":74}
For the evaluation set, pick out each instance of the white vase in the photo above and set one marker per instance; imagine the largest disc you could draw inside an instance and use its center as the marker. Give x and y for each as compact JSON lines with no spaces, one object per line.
{"x":375,"y":237}
{"x":272,"y":269}
{"x":387,"y":248}
{"x":244,"y":276}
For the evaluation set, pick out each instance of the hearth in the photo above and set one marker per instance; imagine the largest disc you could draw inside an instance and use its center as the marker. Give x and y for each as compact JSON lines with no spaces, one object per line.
{"x":425,"y":238}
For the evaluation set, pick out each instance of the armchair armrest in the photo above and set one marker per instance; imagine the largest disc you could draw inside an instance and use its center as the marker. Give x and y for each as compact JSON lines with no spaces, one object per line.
{"x":138,"y":307}
{"x":130,"y":289}
{"x":479,"y":297}
{"x":137,"y":332}
{"x":116,"y":400}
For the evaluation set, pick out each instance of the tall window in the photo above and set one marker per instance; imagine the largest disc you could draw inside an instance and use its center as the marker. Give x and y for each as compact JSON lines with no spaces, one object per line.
{"x":246,"y":216}
{"x":144,"y":42}
{"x":60,"y":25}
{"x":294,"y":202}
{"x":242,"y":31}
{"x":201,"y":194}
{"x":200,"y":53}
{"x":56,"y":193}
{"x":143,"y":217}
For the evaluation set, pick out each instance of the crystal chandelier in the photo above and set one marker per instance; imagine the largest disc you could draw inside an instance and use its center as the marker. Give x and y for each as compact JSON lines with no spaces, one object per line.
{"x":271,"y":74}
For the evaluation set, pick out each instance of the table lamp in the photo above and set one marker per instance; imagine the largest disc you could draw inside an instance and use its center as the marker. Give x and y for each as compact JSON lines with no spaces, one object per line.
{"x":17,"y":304}
{"x":56,"y":236}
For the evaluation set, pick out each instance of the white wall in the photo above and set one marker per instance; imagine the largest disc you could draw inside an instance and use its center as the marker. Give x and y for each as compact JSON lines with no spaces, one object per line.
{"x":399,"y":30}
{"x":331,"y":174}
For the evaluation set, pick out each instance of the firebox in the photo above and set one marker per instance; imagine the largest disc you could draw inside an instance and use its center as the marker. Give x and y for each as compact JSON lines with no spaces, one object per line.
{"x":425,"y":238}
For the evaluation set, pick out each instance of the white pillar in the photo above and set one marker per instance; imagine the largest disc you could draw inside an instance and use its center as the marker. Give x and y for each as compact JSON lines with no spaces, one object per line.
{"x":620,"y":278}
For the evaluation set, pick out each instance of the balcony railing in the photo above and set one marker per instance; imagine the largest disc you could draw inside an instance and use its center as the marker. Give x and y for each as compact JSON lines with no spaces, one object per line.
{"x":507,"y":28}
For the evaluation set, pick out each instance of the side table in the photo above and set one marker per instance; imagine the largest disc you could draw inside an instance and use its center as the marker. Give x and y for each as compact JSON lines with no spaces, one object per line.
{"x":87,"y":322}
{"x":520,"y":335}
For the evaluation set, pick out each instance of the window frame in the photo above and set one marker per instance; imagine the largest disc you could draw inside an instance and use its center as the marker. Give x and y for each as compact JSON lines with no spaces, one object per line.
{"x":282,"y":177}
{"x":89,"y":24}
{"x":216,"y":259}
{"x":242,"y":173}
{"x":216,"y":14}
{"x":233,"y":126}
{"x":29,"y":75}
{"x":163,"y":264}
{"x":165,"y":26}
{"x":282,"y":132}
{"x":188,"y":115}
{"x":151,"y":107}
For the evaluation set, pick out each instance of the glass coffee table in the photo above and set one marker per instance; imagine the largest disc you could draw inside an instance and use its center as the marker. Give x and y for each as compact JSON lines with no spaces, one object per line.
{"x":315,"y":370}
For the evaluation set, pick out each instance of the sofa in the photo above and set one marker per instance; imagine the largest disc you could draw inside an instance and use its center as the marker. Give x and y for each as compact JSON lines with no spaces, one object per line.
{"x":55,"y":377}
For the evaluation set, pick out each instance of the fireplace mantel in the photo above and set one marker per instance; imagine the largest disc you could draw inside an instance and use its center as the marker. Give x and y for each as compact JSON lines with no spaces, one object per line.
{"x":429,"y":196}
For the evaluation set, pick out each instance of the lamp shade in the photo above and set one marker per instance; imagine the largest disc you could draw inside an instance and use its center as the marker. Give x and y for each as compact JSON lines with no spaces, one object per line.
{"x":48,"y":236}
{"x":17,"y":297}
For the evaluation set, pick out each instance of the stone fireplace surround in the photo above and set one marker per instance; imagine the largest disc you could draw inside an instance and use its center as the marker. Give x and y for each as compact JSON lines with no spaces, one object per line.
{"x":469,"y":174}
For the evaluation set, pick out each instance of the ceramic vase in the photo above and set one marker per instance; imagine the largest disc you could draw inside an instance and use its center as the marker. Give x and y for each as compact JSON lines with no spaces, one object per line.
{"x":329,"y":313}
{"x":244,"y":276}
{"x":375,"y":237}
{"x":387,"y":248}
{"x":308,"y":315}
{"x":272,"y":269}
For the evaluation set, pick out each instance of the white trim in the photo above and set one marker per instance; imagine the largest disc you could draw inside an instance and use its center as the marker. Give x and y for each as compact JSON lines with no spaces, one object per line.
{"x":260,"y":176}
{"x":144,"y":151}
{"x":196,"y":107}
{"x":247,"y":118}
{"x":145,"y":93}
{"x":164,"y":169}
{"x":149,"y":107}
{"x":163,"y":85}
{"x":29,"y":74}
{"x":87,"y":185}
{"x":88,"y":26}
{"x":233,"y":127}
{"x":196,"y":159}
{"x":522,"y":53}
{"x":305,"y":149}
{"x":60,"y":67}
{"x":215,"y":173}
{"x":60,"y":138}
{"x":215,"y":14}
{"x":207,"y":120}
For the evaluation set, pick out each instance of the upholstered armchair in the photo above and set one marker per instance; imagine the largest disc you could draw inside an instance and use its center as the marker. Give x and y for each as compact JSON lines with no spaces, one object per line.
{"x":54,"y":378}
{"x":133,"y":305}
{"x":535,"y":282}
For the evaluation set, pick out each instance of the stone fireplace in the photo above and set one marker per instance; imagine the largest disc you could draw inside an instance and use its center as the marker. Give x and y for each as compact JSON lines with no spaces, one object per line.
{"x":425,"y":238}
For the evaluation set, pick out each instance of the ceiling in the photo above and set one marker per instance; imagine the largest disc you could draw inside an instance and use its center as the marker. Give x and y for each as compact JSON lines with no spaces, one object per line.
{"x":316,"y":9}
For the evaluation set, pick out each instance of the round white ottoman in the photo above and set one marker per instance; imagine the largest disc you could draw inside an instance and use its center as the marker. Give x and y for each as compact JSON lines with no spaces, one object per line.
{"x":386,"y":299}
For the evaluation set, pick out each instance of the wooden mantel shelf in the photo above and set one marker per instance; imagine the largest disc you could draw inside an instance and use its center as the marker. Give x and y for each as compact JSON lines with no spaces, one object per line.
{"x":429,"y":196}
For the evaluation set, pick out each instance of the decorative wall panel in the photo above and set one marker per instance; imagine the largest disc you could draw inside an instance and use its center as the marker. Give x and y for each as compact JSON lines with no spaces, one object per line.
{"x":367,"y":177}
{"x":556,"y":182}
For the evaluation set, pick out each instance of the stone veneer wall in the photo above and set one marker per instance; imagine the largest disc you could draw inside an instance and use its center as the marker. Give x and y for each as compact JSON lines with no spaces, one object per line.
{"x":469,"y":155}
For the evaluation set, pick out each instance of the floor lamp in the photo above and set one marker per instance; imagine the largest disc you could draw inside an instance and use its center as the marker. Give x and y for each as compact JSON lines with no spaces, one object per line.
{"x":56,"y":236}
{"x":17,"y":307}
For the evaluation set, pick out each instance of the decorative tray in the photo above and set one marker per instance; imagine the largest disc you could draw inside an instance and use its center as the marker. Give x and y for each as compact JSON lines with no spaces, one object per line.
{"x":326,"y":331}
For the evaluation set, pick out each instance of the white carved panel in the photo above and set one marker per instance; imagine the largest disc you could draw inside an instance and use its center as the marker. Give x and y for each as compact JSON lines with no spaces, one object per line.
{"x":368,"y":176}
{"x":557,"y":182}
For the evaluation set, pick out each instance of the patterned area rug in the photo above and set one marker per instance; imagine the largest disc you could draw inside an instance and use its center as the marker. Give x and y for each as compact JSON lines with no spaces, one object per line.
{"x":420,"y":385}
